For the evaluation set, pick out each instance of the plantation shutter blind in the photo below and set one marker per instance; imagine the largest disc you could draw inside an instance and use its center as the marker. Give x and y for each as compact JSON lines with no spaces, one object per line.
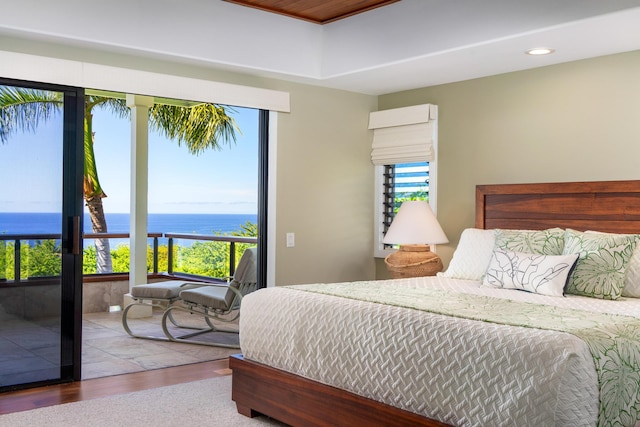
{"x":403,"y":135}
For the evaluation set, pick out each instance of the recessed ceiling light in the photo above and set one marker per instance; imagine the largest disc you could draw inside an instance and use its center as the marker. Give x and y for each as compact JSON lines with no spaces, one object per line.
{"x":539,"y":51}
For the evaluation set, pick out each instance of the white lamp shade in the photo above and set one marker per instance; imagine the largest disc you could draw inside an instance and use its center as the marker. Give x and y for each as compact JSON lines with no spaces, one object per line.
{"x":415,"y":224}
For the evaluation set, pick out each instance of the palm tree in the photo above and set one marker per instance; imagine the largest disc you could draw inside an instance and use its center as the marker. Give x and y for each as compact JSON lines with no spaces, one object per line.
{"x":201,"y":127}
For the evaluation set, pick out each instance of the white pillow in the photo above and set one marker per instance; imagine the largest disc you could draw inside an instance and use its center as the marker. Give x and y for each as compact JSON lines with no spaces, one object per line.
{"x":632,"y":281}
{"x":472,"y":256}
{"x":541,"y":274}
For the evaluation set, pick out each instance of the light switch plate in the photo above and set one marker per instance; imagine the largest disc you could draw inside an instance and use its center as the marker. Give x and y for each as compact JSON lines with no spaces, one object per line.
{"x":291,"y":240}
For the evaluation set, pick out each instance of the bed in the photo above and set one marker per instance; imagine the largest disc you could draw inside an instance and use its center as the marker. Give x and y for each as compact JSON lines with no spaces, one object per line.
{"x":459,"y":349}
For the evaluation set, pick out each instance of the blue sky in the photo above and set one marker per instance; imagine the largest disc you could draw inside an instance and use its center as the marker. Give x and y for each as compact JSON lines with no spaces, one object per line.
{"x":223,"y":181}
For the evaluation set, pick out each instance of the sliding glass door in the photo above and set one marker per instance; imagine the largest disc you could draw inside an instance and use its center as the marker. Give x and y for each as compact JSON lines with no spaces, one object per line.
{"x":41,"y":168}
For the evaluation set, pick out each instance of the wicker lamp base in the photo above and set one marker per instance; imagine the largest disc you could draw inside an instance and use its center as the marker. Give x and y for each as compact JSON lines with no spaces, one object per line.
{"x":413,"y":261}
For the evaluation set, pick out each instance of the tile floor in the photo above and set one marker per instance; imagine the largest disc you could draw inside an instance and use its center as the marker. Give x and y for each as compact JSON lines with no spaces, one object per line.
{"x":30,"y":351}
{"x":108,"y":350}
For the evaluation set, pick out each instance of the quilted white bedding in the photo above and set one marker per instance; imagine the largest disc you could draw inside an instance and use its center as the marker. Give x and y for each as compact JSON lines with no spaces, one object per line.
{"x":459,"y":371}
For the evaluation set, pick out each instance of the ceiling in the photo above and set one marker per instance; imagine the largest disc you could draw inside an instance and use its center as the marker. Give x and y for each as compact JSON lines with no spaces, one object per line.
{"x":374,"y":48}
{"x":318,"y":12}
{"x":417,"y":43}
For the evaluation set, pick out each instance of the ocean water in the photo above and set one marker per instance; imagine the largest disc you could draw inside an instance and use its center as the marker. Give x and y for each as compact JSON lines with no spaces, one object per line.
{"x":33,"y":223}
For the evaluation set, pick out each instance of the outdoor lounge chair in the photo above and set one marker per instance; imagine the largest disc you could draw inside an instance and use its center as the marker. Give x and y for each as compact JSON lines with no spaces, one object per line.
{"x":159,"y":295}
{"x":216,"y":301}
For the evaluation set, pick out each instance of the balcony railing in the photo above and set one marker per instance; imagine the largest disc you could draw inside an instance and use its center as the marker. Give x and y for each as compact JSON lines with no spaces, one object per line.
{"x":18,"y":239}
{"x":232,"y":240}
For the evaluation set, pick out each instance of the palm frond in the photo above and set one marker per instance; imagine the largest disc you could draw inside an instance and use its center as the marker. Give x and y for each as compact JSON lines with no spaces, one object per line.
{"x":202,"y":127}
{"x":114,"y":105}
{"x":23,"y":109}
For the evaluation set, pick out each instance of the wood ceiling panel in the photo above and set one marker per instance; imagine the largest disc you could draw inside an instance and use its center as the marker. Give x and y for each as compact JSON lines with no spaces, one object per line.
{"x":317,"y":11}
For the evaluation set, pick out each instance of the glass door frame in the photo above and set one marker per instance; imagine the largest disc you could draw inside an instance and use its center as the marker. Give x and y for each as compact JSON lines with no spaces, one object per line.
{"x":71,"y":230}
{"x":263,"y":195}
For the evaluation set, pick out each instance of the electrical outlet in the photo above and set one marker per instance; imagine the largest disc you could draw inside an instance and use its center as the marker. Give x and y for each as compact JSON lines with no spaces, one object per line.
{"x":291,"y":240}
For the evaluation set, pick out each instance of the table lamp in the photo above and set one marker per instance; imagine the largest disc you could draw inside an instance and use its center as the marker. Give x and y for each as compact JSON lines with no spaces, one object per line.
{"x":414,"y":227}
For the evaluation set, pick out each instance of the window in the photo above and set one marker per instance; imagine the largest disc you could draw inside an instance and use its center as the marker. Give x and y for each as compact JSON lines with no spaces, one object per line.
{"x":404,"y":152}
{"x":403,"y":182}
{"x":396,"y":184}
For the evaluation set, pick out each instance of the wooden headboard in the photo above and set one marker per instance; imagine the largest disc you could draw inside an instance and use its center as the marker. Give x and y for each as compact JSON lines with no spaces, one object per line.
{"x":608,"y":206}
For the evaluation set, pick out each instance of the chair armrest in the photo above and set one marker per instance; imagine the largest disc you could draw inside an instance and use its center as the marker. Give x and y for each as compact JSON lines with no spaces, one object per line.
{"x":237,"y":292}
{"x":221,"y":285}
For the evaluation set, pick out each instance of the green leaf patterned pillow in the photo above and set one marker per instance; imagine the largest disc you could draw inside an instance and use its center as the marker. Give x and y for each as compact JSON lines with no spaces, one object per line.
{"x":632,"y":283}
{"x":602,"y":264}
{"x":543,"y":242}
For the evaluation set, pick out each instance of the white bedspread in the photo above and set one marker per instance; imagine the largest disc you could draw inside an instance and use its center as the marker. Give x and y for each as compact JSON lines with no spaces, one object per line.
{"x":459,"y":371}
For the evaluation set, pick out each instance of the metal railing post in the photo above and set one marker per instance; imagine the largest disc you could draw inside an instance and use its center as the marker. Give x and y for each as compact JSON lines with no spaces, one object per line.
{"x":16,"y":261}
{"x":232,"y":258}
{"x":155,"y":255}
{"x":170,"y":256}
{"x":3,"y":261}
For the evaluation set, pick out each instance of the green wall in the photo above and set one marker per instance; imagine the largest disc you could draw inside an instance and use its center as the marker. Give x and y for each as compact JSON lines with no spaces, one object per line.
{"x":577,"y":121}
{"x":325,"y":187}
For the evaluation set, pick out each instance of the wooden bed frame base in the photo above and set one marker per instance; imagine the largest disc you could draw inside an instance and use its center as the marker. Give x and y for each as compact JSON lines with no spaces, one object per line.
{"x":610,"y":206}
{"x":261,"y":390}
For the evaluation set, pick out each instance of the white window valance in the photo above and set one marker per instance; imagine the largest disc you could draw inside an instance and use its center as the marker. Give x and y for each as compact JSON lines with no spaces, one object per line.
{"x":116,"y":79}
{"x":403,"y":135}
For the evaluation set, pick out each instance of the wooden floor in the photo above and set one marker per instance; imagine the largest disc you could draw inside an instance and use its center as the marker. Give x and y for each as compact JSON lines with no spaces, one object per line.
{"x":100,"y":387}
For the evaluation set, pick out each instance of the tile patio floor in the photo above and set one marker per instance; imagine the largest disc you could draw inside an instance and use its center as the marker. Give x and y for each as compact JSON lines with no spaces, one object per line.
{"x":30,"y":351}
{"x":108,"y":350}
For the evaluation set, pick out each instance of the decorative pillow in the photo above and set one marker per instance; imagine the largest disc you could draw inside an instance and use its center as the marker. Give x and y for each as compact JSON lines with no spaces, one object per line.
{"x":545,"y":242}
{"x":472,"y":255}
{"x":602,"y":263}
{"x":632,"y":282}
{"x":541,"y":274}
